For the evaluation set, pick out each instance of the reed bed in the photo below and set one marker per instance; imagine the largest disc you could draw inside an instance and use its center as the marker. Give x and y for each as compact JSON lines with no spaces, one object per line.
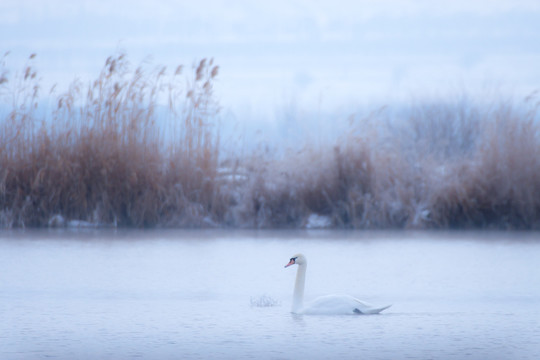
{"x":455,"y":165}
{"x":109,"y":153}
{"x":101,"y":154}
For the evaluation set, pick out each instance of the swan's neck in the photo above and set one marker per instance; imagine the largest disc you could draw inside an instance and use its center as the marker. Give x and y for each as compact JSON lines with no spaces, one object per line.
{"x":298,"y":295}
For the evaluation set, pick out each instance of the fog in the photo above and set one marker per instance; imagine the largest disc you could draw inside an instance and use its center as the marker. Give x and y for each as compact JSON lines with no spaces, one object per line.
{"x":331,"y":114}
{"x":324,"y":55}
{"x":369,"y":114}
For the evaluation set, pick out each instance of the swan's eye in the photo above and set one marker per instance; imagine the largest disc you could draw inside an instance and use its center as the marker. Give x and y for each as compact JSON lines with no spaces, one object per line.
{"x":294,"y":259}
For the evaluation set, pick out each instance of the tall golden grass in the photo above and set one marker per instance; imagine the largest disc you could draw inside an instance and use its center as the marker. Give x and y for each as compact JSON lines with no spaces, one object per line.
{"x":109,"y":153}
{"x":101,"y":153}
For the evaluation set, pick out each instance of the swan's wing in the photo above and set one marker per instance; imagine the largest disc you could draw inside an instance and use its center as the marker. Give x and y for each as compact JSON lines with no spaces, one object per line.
{"x":331,"y":305}
{"x":340,"y":304}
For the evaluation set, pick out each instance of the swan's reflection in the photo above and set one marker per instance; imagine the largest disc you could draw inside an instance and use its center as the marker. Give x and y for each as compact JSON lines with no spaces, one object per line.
{"x":298,"y":319}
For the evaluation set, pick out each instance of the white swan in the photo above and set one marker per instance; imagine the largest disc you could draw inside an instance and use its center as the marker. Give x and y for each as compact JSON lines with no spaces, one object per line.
{"x":329,"y":304}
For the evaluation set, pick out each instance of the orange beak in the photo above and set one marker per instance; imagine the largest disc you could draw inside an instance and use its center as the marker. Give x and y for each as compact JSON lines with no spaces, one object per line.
{"x":290,"y":263}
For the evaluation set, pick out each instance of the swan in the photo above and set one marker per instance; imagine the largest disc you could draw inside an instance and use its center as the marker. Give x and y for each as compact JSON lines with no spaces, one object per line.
{"x":329,"y":304}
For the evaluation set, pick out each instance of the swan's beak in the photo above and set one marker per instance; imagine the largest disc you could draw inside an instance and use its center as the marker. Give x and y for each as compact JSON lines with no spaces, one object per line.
{"x":290,"y":263}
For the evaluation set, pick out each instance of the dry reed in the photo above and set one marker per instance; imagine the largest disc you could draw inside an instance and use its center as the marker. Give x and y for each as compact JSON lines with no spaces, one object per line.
{"x":446,"y":165}
{"x":108,"y":154}
{"x":103,"y":155}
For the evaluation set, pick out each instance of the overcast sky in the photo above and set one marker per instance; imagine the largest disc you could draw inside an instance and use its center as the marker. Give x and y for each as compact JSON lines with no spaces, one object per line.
{"x":332,"y":52}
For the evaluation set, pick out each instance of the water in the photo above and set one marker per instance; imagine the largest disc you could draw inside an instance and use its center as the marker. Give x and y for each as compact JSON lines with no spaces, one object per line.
{"x":198,"y":294}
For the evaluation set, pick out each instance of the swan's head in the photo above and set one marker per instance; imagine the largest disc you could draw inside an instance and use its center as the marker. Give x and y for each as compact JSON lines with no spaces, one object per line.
{"x":298,"y":259}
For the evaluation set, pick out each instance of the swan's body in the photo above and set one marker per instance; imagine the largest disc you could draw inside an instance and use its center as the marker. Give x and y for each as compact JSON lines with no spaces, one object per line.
{"x":329,"y":304}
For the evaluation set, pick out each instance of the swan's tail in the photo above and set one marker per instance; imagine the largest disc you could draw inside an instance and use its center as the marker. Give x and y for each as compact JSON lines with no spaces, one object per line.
{"x":370,"y":311}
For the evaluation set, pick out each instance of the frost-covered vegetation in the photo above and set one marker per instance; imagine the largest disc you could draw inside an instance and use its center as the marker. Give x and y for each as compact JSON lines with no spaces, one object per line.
{"x":107,"y":153}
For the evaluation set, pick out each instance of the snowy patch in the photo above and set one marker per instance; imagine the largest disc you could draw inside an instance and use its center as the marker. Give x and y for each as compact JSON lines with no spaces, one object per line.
{"x":316,"y":221}
{"x":81,"y":224}
{"x":57,"y":221}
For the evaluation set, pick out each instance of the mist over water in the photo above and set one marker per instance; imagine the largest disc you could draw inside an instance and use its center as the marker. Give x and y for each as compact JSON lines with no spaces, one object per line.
{"x":310,"y":120}
{"x":193,"y":294}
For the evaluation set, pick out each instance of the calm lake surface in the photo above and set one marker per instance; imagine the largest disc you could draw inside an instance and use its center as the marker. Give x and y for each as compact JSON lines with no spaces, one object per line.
{"x":223,"y":295}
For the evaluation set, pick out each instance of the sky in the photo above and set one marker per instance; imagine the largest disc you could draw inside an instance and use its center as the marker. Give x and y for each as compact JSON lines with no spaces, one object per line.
{"x":310,"y":53}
